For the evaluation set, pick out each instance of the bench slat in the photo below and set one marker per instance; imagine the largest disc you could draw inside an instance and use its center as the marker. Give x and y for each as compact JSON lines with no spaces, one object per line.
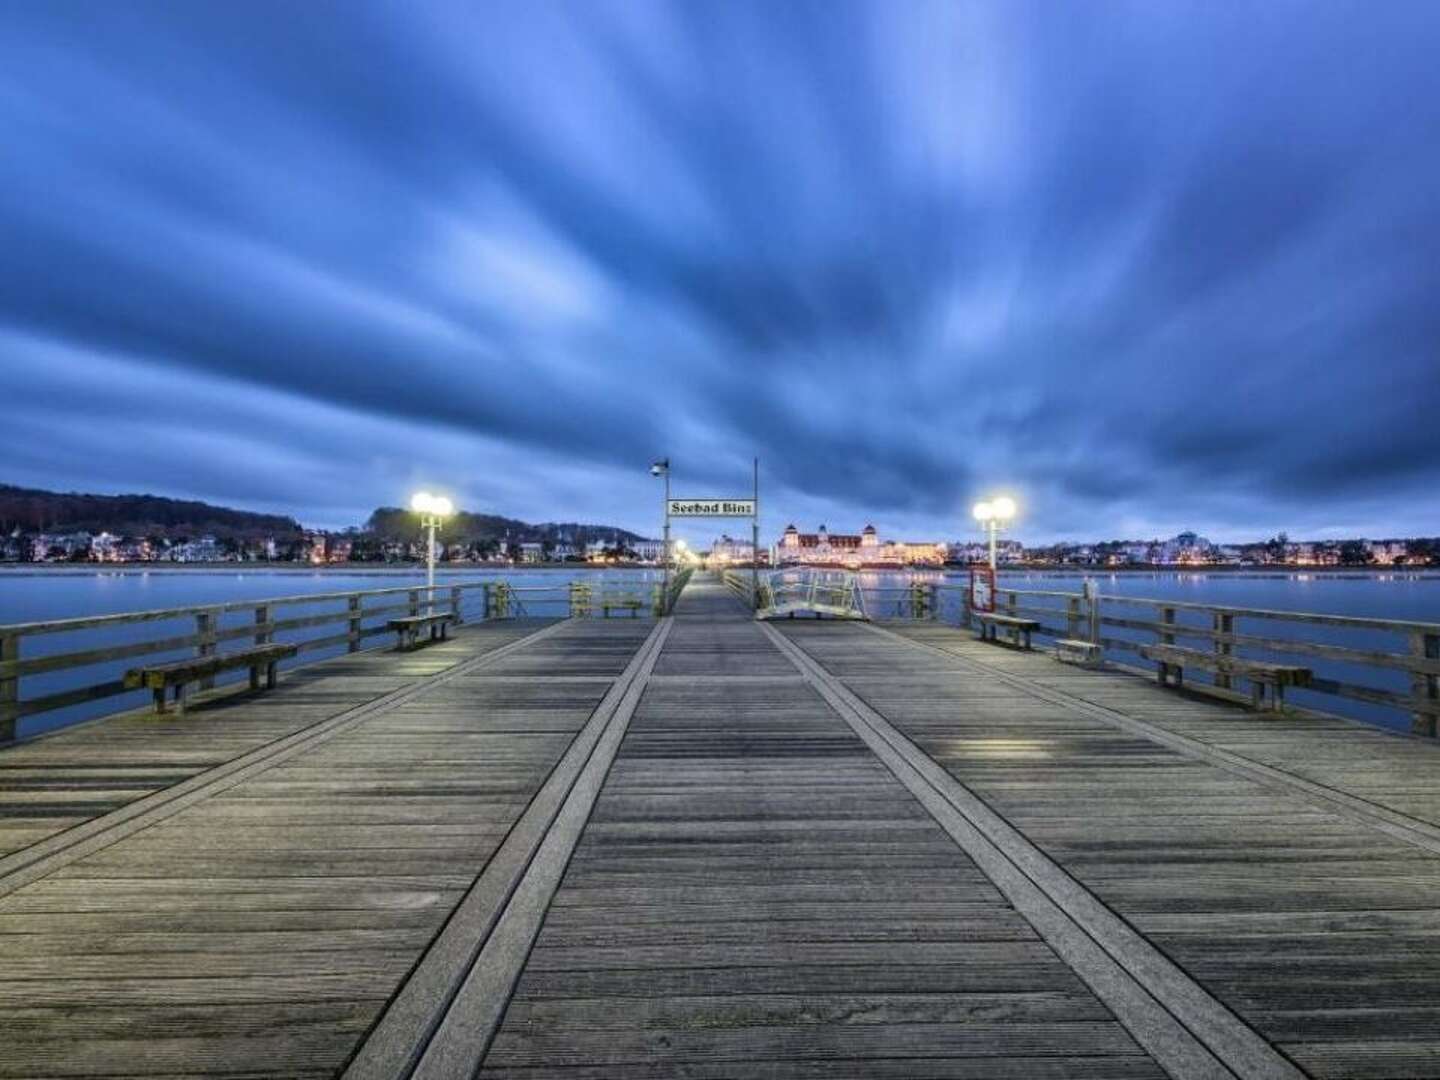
{"x":156,"y":676}
{"x":1007,"y":620}
{"x":421,"y":620}
{"x":1178,"y":654}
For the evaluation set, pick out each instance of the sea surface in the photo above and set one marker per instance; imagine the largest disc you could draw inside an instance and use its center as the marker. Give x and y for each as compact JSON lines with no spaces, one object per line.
{"x":29,"y":594}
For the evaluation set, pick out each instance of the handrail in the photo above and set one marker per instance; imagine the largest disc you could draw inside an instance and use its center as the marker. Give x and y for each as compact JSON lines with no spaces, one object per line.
{"x":357,"y":615}
{"x":1086,"y":618}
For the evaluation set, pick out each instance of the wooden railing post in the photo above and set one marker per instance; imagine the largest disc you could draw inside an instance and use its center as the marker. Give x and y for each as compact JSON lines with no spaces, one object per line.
{"x":1222,"y":622}
{"x":1092,"y":610}
{"x":1424,"y":686}
{"x":352,"y":638}
{"x":455,"y":604}
{"x":414,"y":602}
{"x":1012,"y":605}
{"x":263,"y":634}
{"x":9,"y":689}
{"x":1072,"y":617}
{"x":205,"y":628}
{"x":1167,"y":615}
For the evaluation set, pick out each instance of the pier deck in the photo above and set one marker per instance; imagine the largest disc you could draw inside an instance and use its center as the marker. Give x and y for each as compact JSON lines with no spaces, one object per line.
{"x":708,"y":847}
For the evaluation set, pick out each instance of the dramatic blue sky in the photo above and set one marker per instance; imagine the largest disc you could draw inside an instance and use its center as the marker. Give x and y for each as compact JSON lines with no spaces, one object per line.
{"x":1146,"y":265}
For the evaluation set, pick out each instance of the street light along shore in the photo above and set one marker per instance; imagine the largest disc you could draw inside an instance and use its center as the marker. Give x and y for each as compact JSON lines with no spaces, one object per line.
{"x":993,"y":514}
{"x":432,"y":510}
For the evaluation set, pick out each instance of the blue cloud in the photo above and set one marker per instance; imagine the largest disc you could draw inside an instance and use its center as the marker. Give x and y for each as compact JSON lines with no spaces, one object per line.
{"x":1147,"y":265}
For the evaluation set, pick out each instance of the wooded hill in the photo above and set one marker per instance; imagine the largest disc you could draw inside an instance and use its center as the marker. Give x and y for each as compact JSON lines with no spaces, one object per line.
{"x":32,"y":510}
{"x":394,"y":523}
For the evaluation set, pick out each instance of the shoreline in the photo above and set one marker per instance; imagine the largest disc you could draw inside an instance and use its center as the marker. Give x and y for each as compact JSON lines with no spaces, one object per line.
{"x":446,"y":570}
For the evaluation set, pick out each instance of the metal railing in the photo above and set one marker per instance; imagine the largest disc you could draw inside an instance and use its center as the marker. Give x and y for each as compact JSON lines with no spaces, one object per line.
{"x":69,"y":666}
{"x":743,"y":588}
{"x":1391,"y":665}
{"x":832,"y":592}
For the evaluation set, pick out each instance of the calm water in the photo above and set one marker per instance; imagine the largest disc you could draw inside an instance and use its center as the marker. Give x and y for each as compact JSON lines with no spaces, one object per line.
{"x":31,"y":595}
{"x":44,"y":594}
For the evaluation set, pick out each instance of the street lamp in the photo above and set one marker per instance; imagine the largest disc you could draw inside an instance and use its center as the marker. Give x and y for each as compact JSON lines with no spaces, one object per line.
{"x":662,"y":468}
{"x":431,"y":508}
{"x":992,"y":515}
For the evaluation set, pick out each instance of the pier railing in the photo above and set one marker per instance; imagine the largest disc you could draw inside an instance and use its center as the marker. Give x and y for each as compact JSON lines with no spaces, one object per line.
{"x":1387,"y":667}
{"x":76,"y":664}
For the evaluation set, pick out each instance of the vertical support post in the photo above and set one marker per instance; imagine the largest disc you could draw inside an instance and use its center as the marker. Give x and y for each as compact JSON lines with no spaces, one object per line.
{"x":263,"y":636}
{"x":9,"y":688}
{"x":1012,"y":605}
{"x":665,"y":580}
{"x":414,"y":602}
{"x":1223,"y":622}
{"x":488,"y":592}
{"x":1167,"y":615}
{"x":205,"y":628}
{"x":1424,"y":686}
{"x":932,"y":601}
{"x":1092,"y":598}
{"x":755,"y":542}
{"x":352,"y":643}
{"x":455,"y":604}
{"x":1072,"y":617}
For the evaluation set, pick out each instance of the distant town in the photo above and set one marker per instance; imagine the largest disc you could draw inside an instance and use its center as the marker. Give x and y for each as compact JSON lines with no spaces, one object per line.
{"x":48,"y":527}
{"x":861,"y":551}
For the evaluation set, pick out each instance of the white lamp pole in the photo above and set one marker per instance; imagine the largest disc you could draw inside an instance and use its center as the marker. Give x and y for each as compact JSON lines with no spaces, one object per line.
{"x":662,"y":468}
{"x":431,"y":508}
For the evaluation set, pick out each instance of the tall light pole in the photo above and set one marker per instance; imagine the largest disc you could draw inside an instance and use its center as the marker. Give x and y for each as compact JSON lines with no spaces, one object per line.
{"x":431,"y":508}
{"x":992,"y":515}
{"x":662,"y":468}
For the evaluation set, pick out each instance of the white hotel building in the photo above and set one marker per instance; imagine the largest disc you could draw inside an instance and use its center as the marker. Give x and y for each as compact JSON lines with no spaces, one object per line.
{"x":853,"y":551}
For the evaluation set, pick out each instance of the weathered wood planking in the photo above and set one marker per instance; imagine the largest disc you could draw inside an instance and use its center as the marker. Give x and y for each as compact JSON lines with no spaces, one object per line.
{"x":52,"y":783}
{"x":756,"y":895}
{"x":1313,"y":927}
{"x":752,"y":893}
{"x":280,"y":915}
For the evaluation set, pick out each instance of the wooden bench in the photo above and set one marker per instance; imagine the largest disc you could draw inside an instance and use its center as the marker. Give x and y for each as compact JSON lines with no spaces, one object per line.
{"x":1016,"y":628}
{"x":408,"y":629}
{"x":1076,"y":651}
{"x":1172,"y":660}
{"x":632,"y":604}
{"x":180,"y":673}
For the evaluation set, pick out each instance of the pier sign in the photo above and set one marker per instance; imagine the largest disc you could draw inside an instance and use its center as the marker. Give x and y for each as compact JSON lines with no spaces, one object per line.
{"x":711,"y":508}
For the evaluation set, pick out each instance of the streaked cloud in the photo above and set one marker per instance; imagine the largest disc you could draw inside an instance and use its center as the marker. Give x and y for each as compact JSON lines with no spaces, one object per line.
{"x":1149,"y":266}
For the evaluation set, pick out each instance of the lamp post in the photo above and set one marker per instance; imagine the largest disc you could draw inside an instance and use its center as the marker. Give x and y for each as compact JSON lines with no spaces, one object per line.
{"x":992,"y":515}
{"x":662,"y":468}
{"x":431,"y":508}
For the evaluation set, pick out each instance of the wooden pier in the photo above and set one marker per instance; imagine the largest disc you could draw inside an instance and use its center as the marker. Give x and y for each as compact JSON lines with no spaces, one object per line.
{"x":703,"y":846}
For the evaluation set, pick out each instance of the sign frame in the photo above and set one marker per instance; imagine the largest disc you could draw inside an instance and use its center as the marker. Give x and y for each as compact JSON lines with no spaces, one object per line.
{"x":712,"y":508}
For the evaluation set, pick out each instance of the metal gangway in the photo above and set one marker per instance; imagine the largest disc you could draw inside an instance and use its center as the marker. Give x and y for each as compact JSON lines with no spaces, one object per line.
{"x":833,"y":593}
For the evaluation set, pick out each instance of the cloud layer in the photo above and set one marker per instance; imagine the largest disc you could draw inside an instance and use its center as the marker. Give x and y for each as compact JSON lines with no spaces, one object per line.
{"x":1148,"y":266}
